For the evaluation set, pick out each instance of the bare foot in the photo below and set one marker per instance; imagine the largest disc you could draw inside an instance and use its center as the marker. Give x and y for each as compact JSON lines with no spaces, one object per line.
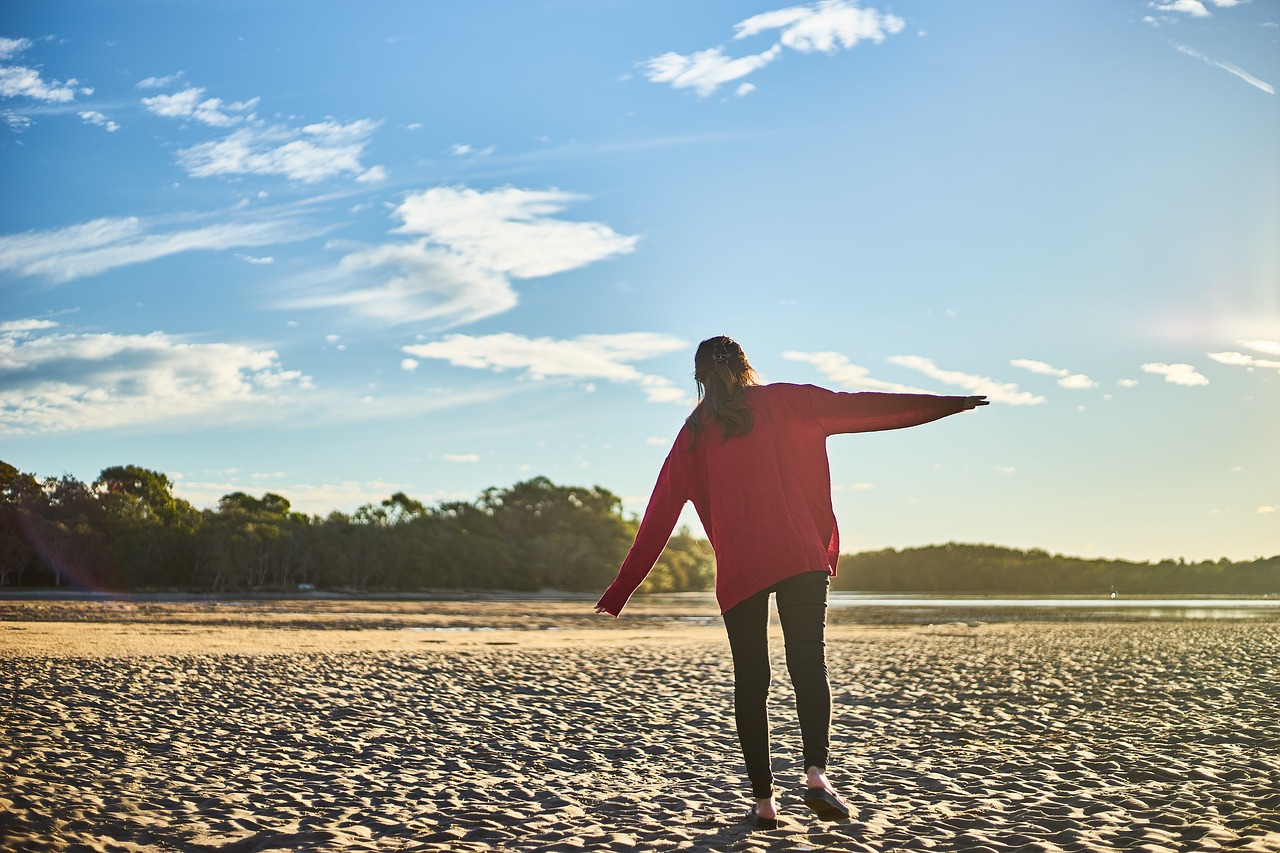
{"x":828,"y":806}
{"x":815,"y":778}
{"x":767,"y":809}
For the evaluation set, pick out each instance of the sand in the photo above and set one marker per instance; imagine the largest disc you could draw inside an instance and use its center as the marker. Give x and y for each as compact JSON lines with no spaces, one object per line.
{"x":536,"y":726}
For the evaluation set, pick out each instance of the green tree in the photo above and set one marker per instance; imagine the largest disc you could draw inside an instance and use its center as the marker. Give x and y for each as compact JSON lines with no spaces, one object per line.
{"x":687,"y":564}
{"x":20,"y":497}
{"x":570,"y":537}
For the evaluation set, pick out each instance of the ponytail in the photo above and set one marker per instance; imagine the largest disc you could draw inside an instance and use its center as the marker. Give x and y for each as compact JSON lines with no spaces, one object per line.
{"x":722,"y":373}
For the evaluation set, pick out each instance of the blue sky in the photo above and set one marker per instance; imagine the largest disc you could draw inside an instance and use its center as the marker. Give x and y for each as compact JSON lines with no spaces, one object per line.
{"x":337,"y":251}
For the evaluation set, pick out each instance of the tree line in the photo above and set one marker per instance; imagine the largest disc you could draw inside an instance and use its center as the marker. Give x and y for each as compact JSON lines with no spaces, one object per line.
{"x":127,"y":531}
{"x":976,"y":569}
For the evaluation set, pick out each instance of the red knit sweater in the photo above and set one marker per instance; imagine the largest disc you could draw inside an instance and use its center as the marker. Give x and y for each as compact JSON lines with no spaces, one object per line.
{"x":764,"y":498}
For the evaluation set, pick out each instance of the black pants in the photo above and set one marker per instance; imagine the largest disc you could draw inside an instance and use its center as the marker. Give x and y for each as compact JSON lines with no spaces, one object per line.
{"x":802,"y":609}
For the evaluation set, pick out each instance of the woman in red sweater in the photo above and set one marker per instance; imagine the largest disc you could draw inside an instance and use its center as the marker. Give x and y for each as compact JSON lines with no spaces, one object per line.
{"x":753,"y":460}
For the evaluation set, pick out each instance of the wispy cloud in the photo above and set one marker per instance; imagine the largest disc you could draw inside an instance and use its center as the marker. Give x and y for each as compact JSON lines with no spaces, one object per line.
{"x":160,"y":82}
{"x":1266,"y":347}
{"x":1177,"y":373}
{"x":96,"y":118}
{"x":1240,"y":359}
{"x":470,"y":245}
{"x":18,"y":81}
{"x":706,"y":70}
{"x":848,"y":375}
{"x":314,"y":498}
{"x":310,"y":153}
{"x":78,"y":251}
{"x":14,"y":327}
{"x":1066,"y":379}
{"x":1226,"y":66}
{"x":607,"y":357}
{"x":314,"y":152}
{"x":996,"y":391}
{"x":825,"y":26}
{"x":461,"y":149}
{"x":191,"y":103}
{"x":1194,"y":8}
{"x":10,"y":48}
{"x":62,"y":382}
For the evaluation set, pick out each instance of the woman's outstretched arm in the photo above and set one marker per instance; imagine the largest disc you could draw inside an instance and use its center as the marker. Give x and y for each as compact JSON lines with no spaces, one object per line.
{"x":665,"y":503}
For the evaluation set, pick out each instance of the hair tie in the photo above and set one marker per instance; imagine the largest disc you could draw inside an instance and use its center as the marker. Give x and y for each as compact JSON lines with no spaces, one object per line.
{"x":721,"y":354}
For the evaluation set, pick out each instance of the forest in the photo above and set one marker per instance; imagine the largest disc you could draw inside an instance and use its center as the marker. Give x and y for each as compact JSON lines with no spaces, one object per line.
{"x":127,"y":531}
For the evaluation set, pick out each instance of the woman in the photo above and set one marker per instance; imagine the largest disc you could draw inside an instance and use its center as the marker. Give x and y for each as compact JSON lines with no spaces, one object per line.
{"x":752,"y":458}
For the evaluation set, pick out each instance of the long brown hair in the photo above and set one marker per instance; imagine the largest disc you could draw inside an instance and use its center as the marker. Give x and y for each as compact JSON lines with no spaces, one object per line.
{"x":722,"y":373}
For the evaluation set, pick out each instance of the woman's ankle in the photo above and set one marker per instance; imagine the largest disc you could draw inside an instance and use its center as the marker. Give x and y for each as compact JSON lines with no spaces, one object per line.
{"x":816,"y":777}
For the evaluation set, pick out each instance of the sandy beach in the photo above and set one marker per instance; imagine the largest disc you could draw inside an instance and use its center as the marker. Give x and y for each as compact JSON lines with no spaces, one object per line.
{"x":535,"y":725}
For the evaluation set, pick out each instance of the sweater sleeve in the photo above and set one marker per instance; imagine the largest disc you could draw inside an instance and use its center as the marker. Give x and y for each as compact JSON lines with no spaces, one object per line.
{"x":669,"y":496}
{"x":869,"y":411}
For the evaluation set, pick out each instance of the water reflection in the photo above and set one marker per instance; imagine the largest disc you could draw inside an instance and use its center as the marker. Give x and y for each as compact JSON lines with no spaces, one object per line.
{"x":1143,"y":608}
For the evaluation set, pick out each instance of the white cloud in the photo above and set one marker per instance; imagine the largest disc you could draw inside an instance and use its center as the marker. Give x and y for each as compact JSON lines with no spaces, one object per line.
{"x":745,"y":89}
{"x":74,"y":382}
{"x":252,"y":260}
{"x":1178,"y":374}
{"x":1267,"y":510}
{"x":1225,"y":66}
{"x":191,"y":103}
{"x":847,"y":375}
{"x":509,"y":230}
{"x":412,"y":283}
{"x":10,"y":48}
{"x":460,"y":457}
{"x":96,"y":118}
{"x":17,"y":81}
{"x":160,"y":82}
{"x":77,"y":251}
{"x":1039,"y":367}
{"x":313,"y":153}
{"x":310,"y":153}
{"x":1268,"y":347}
{"x":825,"y":26}
{"x":1194,"y":8}
{"x":606,"y":357}
{"x":1127,"y":383}
{"x":470,"y":246}
{"x":15,"y":327}
{"x":315,"y":499}
{"x":1240,"y":359}
{"x":1077,"y":382}
{"x":461,"y":149}
{"x":998,"y":392}
{"x":1066,"y":379}
{"x":706,"y":70}
{"x":408,"y":364}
